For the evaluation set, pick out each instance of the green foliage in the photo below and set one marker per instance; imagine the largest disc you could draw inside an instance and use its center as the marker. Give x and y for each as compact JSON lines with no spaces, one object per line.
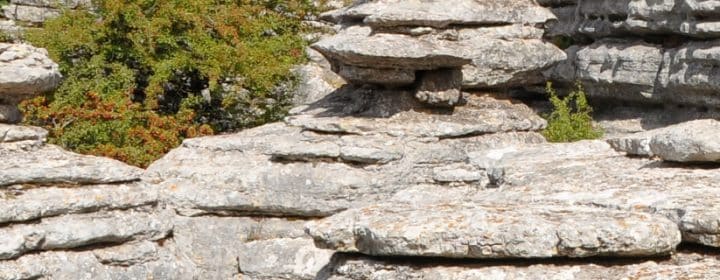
{"x":571,"y":118}
{"x":141,"y":75}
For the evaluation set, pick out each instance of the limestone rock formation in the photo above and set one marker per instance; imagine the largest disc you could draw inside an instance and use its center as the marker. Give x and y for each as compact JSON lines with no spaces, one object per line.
{"x":693,"y":141}
{"x":394,"y":43}
{"x":25,"y":71}
{"x":364,"y":180}
{"x":660,"y":52}
{"x":38,"y":11}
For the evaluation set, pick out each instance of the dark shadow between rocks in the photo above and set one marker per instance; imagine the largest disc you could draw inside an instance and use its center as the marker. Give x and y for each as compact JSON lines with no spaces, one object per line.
{"x":340,"y":259}
{"x":683,"y":165}
{"x":368,"y":102}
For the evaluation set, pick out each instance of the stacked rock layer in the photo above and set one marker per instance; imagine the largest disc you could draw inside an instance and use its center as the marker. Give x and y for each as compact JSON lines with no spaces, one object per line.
{"x":662,"y":52}
{"x":369,"y":182}
{"x":441,"y":47}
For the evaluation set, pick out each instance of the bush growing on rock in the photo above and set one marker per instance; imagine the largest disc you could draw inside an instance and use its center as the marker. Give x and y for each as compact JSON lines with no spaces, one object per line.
{"x":571,"y":118}
{"x":141,"y":75}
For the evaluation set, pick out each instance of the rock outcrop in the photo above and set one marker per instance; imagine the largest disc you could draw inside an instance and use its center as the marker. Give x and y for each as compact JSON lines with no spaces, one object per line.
{"x":364,"y":180}
{"x":38,"y":11}
{"x":694,"y":141}
{"x":646,"y":52}
{"x":25,"y":71}
{"x":466,"y":44}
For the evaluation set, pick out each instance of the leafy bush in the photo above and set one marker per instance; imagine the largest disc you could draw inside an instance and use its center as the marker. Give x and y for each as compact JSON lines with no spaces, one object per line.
{"x":571,"y":118}
{"x":141,"y":75}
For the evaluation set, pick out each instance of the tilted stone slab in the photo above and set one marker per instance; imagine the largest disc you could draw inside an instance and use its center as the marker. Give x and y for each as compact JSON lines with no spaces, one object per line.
{"x":468,"y":230}
{"x":50,"y":164}
{"x":441,"y":14}
{"x":72,"y":231}
{"x":357,"y":47}
{"x":18,"y":204}
{"x":689,"y":266}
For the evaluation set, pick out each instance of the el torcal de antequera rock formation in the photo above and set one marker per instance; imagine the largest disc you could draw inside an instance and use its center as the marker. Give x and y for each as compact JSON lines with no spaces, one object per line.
{"x":404,"y":158}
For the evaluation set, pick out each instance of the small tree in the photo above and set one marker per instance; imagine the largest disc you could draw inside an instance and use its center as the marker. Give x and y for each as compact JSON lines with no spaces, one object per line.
{"x":571,"y":118}
{"x":142,"y":75}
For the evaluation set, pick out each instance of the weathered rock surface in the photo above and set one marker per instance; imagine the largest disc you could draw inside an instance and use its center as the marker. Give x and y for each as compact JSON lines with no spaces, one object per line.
{"x":344,"y":151}
{"x":661,"y":52}
{"x":249,"y":248}
{"x":696,"y":141}
{"x":680,"y":266}
{"x":50,"y":164}
{"x":14,"y":133}
{"x":495,"y":44}
{"x":25,"y":71}
{"x":440,"y":14}
{"x":72,"y":231}
{"x":693,"y":141}
{"x":640,"y":18}
{"x":38,"y":11}
{"x":475,"y":231}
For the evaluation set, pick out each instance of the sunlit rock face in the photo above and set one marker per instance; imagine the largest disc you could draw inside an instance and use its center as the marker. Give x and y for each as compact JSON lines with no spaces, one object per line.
{"x":495,"y":44}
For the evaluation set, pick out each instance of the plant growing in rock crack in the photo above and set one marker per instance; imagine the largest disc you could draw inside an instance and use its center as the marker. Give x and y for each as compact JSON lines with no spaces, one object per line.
{"x":570,"y":119}
{"x":141,"y":75}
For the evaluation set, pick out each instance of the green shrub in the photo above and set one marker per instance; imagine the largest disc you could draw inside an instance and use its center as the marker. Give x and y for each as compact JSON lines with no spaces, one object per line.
{"x":571,"y":118}
{"x":141,"y":75}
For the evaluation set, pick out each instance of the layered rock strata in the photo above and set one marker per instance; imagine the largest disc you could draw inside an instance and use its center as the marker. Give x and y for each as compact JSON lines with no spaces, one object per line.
{"x":463,"y":43}
{"x":370,"y":183}
{"x":647,"y":52}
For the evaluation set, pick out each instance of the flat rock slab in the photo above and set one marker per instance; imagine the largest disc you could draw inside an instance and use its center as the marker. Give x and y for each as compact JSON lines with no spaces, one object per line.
{"x":25,"y":71}
{"x":474,"y":231}
{"x":19,"y":204}
{"x":356,"y":47}
{"x":141,"y":260}
{"x":480,"y":115}
{"x":440,"y":14}
{"x":681,"y":266}
{"x":72,"y":231}
{"x":14,"y":133}
{"x":559,"y":174}
{"x":694,"y":141}
{"x":50,"y":164}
